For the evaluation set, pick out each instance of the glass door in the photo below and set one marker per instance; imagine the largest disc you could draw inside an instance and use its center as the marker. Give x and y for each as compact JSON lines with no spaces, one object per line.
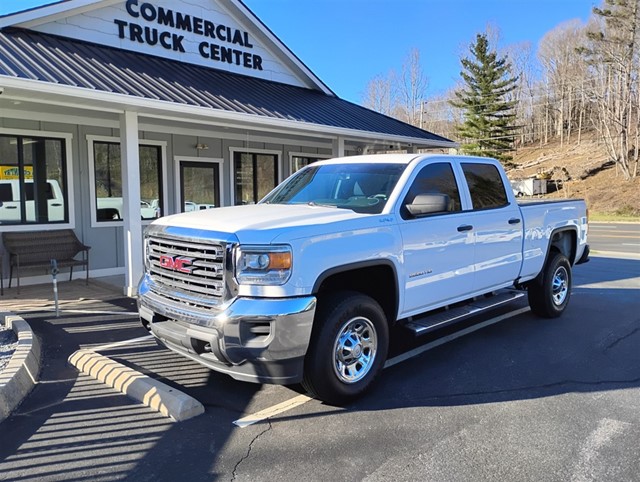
{"x":199,"y":185}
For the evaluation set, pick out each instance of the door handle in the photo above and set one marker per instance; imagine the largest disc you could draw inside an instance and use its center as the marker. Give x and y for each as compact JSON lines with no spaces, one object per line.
{"x":514,"y":221}
{"x":56,"y":204}
{"x":465,"y":227}
{"x":11,"y":207}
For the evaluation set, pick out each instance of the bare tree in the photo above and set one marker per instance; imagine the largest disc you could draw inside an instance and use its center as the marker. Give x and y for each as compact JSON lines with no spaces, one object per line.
{"x":520,"y":56}
{"x":400,"y":96}
{"x":381,"y":94}
{"x":438,"y":115}
{"x":412,"y":88}
{"x":562,"y":68}
{"x":614,"y":55}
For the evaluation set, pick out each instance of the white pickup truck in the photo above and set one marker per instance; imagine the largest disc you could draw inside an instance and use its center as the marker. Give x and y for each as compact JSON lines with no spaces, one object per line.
{"x":306,"y":285}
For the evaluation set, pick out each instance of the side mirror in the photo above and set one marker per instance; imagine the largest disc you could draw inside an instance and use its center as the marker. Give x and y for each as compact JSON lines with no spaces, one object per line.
{"x":428,"y":204}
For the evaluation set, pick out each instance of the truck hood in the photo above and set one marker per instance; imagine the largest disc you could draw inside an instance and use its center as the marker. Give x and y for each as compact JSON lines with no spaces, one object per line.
{"x":261,"y":223}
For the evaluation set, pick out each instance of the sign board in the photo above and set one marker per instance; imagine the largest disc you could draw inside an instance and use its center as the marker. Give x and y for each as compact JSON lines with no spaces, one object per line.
{"x":200,"y":33}
{"x":13,"y":172}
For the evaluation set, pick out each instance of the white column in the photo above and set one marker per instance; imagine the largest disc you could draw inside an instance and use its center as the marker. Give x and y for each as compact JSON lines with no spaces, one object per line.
{"x":338,"y":147}
{"x":133,"y":263}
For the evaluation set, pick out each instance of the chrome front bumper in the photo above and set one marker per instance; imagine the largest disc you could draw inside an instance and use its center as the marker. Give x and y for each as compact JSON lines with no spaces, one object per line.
{"x":260,"y":340}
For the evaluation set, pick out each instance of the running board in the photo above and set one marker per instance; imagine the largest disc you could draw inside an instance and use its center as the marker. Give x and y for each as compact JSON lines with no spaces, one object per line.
{"x":420,"y":326}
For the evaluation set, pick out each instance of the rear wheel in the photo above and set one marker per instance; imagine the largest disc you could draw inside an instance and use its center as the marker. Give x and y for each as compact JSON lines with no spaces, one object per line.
{"x":348,"y":347}
{"x":549,"y":295}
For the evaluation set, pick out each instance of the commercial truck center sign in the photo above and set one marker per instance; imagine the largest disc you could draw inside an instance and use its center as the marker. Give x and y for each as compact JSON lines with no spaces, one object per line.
{"x":153,"y":25}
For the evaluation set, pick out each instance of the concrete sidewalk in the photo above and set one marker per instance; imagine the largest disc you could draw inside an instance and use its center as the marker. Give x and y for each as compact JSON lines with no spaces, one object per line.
{"x":74,"y":294}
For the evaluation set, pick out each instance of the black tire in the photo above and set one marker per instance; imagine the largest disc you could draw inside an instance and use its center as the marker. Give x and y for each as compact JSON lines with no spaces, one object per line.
{"x":333,"y":372}
{"x":549,"y":293}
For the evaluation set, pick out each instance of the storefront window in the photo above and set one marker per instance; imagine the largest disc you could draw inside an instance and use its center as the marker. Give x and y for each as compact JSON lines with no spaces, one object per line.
{"x":32,"y":180}
{"x":108,"y":181}
{"x":255,"y":176}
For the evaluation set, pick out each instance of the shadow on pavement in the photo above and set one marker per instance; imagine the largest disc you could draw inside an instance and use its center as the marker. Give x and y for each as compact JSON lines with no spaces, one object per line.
{"x":72,"y":427}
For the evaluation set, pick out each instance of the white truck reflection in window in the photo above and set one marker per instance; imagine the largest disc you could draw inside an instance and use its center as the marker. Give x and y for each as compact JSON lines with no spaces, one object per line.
{"x":10,"y":199}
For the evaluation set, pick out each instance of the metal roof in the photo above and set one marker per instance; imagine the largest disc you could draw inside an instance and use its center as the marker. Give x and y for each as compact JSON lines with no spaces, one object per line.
{"x":26,"y":54}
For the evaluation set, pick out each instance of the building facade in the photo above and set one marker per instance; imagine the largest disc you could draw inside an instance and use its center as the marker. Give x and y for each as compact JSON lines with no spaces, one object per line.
{"x":115,"y":112}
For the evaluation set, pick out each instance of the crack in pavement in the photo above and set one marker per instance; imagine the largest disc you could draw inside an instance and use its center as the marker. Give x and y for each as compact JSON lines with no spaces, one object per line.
{"x":532,"y":387}
{"x":624,"y":337}
{"x":234,"y":474}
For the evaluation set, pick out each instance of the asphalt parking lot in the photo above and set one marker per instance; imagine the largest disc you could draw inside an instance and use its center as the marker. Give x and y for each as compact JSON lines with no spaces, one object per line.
{"x":520,"y":399}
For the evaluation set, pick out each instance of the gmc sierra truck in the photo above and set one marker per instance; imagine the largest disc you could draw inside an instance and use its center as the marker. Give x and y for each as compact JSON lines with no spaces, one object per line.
{"x":306,"y":285}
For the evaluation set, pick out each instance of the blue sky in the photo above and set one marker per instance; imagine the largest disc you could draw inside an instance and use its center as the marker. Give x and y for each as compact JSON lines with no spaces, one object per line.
{"x":348,"y":42}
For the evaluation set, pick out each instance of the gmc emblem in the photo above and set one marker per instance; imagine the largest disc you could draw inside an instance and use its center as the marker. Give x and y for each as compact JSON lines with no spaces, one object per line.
{"x":180,"y":263}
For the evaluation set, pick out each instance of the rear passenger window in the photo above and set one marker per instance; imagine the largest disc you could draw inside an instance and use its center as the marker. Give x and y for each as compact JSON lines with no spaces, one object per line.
{"x":437,"y":178}
{"x":485,"y":185}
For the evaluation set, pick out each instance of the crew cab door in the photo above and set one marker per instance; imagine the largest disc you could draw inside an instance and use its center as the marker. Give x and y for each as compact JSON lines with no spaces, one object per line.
{"x":497,"y":225}
{"x":438,"y":248}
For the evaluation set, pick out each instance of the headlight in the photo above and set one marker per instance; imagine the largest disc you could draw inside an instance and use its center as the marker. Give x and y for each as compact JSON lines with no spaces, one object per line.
{"x":263,"y":265}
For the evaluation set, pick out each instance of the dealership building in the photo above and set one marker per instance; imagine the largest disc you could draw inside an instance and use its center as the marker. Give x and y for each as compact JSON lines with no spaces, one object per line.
{"x":115,"y":112}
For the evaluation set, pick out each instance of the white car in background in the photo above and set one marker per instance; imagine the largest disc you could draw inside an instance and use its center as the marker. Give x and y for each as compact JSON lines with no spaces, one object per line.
{"x":191,"y":206}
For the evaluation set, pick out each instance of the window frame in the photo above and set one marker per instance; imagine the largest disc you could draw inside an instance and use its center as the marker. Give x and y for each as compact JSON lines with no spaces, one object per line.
{"x":91,"y":139}
{"x":67,"y":138}
{"x":403,"y":195}
{"x":317,"y":157}
{"x":500,"y":172}
{"x":177,"y":160}
{"x":232,"y":165}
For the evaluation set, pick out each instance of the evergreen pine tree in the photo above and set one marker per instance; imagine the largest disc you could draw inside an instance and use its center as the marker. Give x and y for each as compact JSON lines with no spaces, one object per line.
{"x":488,"y":129}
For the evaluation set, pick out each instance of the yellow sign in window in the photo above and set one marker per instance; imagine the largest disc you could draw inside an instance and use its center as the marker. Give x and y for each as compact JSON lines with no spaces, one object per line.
{"x":13,"y":172}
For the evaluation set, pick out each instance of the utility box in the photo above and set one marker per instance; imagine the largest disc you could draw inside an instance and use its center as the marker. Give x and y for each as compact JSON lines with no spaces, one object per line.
{"x":529,"y":187}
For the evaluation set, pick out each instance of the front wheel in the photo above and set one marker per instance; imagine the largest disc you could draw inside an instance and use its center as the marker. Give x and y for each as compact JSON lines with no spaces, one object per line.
{"x":549,"y":295}
{"x":348,"y":347}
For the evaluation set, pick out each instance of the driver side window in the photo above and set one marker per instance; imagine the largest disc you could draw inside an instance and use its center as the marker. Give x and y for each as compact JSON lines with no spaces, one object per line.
{"x":436,"y":178}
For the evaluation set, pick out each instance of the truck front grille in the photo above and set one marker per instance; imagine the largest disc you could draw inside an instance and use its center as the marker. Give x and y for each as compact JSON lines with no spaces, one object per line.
{"x":186,"y":271}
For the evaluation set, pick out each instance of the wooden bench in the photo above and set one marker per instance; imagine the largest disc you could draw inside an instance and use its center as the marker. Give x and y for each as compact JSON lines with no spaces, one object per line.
{"x":36,"y":249}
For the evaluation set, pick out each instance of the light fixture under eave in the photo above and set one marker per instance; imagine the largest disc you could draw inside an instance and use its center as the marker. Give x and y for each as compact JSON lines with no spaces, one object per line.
{"x":202,"y":147}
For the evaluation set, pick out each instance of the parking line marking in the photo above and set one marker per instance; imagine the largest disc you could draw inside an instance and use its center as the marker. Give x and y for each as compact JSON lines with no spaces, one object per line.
{"x":120,"y":343}
{"x":441,"y":341}
{"x":93,"y":312}
{"x":271,"y":411}
{"x":301,"y":399}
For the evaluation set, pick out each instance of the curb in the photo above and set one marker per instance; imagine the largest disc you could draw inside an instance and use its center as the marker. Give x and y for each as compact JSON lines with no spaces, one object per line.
{"x":21,"y":374}
{"x":150,"y":392}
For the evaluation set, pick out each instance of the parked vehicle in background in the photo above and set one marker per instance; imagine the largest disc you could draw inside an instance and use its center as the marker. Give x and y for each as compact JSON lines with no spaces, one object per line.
{"x":113,"y":206}
{"x":191,"y":206}
{"x":306,"y":285}
{"x":529,"y":187}
{"x":10,"y":201}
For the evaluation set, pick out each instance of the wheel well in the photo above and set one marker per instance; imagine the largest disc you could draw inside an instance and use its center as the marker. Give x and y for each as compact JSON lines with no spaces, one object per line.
{"x":565,"y":242}
{"x":378,"y":282}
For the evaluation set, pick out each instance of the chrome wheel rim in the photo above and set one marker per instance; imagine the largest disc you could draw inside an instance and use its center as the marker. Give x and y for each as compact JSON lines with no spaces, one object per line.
{"x":355,"y":350}
{"x":560,"y":286}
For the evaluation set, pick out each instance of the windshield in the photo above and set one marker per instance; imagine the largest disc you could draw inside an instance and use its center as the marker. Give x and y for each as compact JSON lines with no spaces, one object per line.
{"x":363,"y":188}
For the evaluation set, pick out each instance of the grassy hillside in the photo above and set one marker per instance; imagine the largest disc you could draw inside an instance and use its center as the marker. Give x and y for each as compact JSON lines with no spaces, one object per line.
{"x":580,"y":170}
